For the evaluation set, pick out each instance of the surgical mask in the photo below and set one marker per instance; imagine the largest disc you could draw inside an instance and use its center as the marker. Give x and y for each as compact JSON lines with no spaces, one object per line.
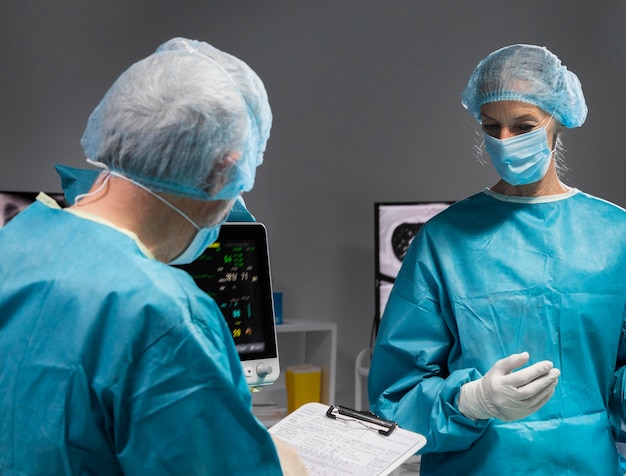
{"x":522,"y":159}
{"x":202,"y":240}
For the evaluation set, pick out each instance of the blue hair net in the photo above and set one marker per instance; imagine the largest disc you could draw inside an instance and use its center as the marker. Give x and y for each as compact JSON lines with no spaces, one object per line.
{"x":189,"y":120}
{"x":530,"y":74}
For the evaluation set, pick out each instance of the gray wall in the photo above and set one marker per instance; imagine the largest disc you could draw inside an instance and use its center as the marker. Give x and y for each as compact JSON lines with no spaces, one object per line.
{"x":366,"y":107}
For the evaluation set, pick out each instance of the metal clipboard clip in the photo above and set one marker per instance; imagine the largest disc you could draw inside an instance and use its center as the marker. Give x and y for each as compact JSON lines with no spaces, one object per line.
{"x":384,"y":427}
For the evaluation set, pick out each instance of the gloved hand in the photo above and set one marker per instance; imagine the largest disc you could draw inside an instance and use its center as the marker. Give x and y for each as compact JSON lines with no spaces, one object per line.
{"x":509,"y":395}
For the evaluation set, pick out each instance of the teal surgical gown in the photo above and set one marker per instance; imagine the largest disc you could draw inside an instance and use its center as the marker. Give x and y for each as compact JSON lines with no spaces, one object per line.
{"x":491,"y":276}
{"x":113,"y":363}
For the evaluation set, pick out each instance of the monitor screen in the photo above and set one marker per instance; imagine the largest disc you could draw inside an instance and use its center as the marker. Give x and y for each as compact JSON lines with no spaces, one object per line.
{"x":396,"y":224}
{"x":11,"y":203}
{"x":235,"y":272}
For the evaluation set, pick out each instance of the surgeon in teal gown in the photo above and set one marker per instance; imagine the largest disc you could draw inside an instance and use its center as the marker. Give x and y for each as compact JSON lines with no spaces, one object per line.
{"x":503,"y":340}
{"x":113,"y":361}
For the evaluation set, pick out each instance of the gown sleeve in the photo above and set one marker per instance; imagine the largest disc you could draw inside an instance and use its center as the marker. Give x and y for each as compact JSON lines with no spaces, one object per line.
{"x":409,"y":380}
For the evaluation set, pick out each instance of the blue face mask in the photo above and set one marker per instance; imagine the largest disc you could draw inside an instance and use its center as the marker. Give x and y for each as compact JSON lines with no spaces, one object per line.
{"x":522,"y":159}
{"x":201,"y":242}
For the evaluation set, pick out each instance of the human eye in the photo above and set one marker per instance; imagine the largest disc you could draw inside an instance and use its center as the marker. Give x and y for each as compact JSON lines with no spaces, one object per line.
{"x":490,"y":128}
{"x":525,"y":127}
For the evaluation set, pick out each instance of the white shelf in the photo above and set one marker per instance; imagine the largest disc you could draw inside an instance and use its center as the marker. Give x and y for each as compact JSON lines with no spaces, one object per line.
{"x":299,"y":342}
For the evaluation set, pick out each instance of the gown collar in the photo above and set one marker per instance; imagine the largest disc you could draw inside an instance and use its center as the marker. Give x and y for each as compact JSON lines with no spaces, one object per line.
{"x":543,"y":199}
{"x":50,"y":202}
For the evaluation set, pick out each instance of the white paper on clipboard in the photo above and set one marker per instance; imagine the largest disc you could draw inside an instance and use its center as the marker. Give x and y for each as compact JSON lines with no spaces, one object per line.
{"x":337,"y":447}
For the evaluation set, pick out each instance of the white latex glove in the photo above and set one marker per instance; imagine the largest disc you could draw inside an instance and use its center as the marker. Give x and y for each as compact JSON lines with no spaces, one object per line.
{"x":509,"y":395}
{"x":290,"y":461}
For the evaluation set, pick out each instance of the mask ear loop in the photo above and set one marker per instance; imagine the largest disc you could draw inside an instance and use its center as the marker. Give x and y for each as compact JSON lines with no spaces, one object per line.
{"x":552,"y":116}
{"x":553,"y":148}
{"x":105,"y":180}
{"x":110,"y":173}
{"x":157,"y":196}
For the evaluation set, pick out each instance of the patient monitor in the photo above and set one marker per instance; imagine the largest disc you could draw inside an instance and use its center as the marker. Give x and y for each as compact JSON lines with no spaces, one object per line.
{"x":235,"y":272}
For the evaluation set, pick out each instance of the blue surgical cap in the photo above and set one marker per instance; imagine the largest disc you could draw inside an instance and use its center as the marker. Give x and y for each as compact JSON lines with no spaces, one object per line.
{"x":189,"y":120}
{"x":530,"y":74}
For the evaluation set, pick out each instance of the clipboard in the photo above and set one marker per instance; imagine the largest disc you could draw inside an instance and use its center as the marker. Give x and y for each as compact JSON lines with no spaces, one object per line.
{"x":338,"y":441}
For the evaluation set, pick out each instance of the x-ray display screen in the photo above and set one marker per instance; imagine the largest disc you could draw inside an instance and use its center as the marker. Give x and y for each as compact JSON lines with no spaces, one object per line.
{"x":11,"y":203}
{"x":396,"y":226}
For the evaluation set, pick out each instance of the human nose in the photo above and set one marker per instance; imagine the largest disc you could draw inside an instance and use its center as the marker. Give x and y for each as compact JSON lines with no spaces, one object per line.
{"x":505,"y":133}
